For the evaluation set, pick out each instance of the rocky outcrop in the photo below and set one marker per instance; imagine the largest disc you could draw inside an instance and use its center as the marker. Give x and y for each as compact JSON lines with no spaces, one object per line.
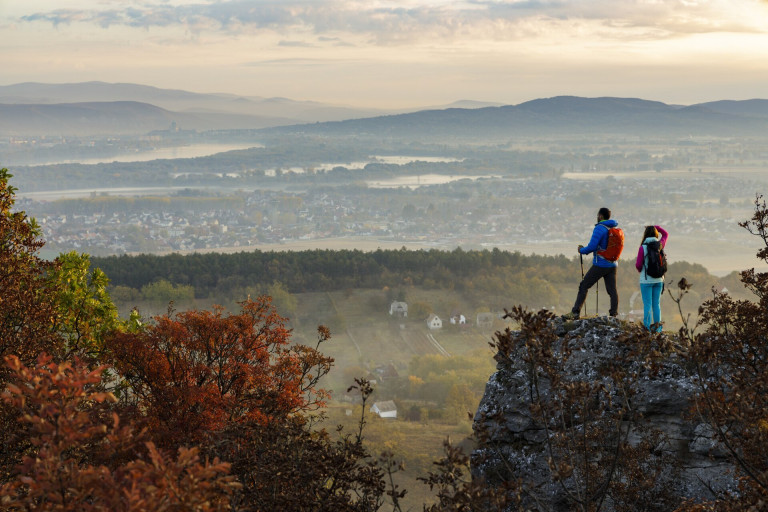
{"x":514,"y":441}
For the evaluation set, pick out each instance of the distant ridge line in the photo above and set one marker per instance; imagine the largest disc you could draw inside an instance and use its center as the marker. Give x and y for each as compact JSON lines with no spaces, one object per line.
{"x":122,"y":108}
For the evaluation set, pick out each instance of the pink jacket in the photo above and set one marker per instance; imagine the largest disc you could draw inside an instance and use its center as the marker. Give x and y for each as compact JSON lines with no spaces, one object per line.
{"x":641,"y":254}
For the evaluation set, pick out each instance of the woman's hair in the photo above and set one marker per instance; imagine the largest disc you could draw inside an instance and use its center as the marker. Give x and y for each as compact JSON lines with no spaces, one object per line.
{"x":650,"y":231}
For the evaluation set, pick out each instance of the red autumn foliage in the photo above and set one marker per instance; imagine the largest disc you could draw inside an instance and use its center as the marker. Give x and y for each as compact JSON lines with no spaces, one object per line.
{"x":191,"y":374}
{"x":26,"y":309}
{"x":52,"y":307}
{"x":65,"y":423}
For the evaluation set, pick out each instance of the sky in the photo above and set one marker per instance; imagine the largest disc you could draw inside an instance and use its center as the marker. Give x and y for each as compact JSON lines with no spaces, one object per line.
{"x":397,"y":53}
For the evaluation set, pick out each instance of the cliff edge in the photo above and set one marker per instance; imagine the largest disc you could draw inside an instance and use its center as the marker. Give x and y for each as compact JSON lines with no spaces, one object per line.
{"x":595,"y":411}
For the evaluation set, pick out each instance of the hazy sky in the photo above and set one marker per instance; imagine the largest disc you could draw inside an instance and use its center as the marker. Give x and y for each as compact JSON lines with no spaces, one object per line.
{"x":397,"y":53}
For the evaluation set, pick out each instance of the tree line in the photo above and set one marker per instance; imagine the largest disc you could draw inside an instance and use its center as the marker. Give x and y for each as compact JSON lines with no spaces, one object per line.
{"x":494,"y":277}
{"x":328,"y":270}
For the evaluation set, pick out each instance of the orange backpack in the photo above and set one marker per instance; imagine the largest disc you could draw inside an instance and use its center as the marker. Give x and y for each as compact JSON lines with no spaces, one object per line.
{"x":615,"y":245}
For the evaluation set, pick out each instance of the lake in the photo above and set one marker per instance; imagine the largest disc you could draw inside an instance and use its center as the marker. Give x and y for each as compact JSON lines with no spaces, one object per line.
{"x":421,"y":180}
{"x":360,"y":164}
{"x":189,"y":151}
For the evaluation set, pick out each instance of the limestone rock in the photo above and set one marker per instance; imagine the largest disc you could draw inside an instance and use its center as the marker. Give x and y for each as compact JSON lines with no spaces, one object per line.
{"x":512,"y":442}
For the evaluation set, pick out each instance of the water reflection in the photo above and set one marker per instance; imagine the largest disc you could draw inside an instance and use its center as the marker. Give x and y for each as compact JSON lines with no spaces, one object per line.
{"x":360,"y":164}
{"x":190,"y":151}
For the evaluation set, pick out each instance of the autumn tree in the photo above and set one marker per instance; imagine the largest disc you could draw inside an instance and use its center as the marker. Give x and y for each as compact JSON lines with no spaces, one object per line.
{"x":730,"y":358}
{"x":235,"y":386}
{"x":61,"y":448}
{"x":192,"y":373}
{"x":58,"y":307}
{"x":26,"y":309}
{"x":83,"y":459}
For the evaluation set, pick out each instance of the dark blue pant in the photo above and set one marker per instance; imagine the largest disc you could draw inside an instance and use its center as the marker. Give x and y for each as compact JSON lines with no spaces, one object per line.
{"x":594,"y":274}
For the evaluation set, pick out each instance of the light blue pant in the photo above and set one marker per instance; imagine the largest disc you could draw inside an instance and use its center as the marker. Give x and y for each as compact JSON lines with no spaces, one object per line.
{"x":651,"y":293}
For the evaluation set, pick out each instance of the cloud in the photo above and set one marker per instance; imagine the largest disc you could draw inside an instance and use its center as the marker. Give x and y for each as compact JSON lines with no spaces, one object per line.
{"x":393,"y":21}
{"x":295,"y":62}
{"x":295,"y":44}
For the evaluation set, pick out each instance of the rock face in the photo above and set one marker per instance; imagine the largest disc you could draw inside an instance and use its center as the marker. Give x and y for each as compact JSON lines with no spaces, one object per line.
{"x":514,"y":443}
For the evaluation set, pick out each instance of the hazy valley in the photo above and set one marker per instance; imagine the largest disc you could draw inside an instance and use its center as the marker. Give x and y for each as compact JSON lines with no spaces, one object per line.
{"x":169,"y":190}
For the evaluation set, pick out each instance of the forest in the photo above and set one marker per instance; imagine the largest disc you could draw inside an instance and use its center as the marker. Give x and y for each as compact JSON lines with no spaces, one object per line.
{"x":205,"y":410}
{"x":325,"y":270}
{"x":494,"y":278}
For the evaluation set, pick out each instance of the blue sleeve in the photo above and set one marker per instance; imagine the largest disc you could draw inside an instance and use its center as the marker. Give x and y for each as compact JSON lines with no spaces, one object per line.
{"x":594,"y":242}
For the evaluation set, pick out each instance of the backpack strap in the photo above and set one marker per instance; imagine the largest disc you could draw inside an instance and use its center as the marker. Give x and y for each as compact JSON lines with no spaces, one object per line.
{"x":645,"y":259}
{"x":607,"y":230}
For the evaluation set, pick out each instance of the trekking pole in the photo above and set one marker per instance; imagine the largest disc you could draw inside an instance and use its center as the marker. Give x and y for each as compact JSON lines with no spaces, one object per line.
{"x":581,"y":257}
{"x":597,"y":297}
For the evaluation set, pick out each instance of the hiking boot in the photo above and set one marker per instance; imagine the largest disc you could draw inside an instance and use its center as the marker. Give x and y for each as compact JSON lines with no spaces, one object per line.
{"x":571,"y":316}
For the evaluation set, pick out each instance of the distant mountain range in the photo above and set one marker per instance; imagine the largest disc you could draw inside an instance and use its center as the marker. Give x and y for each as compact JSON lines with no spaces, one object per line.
{"x":99,"y":107}
{"x":564,"y":116}
{"x":102,"y":108}
{"x":86,"y":108}
{"x":116,"y":118}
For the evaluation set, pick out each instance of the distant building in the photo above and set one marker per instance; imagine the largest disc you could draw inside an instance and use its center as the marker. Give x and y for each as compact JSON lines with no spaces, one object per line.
{"x":485,"y":320}
{"x":385,"y":409}
{"x":398,"y":309}
{"x":434,"y":322}
{"x":387,"y":371}
{"x":458,"y":319}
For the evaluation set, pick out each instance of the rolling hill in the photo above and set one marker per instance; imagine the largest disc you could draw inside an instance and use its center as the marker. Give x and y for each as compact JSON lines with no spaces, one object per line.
{"x":103,"y":108}
{"x":116,"y":118}
{"x":748,"y":108}
{"x":559,"y":116}
{"x":179,"y":100}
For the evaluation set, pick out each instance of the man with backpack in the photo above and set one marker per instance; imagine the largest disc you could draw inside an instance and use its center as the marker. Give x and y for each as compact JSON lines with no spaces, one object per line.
{"x":606,"y":243}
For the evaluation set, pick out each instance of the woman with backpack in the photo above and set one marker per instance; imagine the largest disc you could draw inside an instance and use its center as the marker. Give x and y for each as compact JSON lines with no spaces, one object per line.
{"x":652,"y":264}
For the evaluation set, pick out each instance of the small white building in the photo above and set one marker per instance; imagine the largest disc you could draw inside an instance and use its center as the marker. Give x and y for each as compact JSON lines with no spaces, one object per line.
{"x":434,"y":322}
{"x":399,"y":309}
{"x":385,"y":409}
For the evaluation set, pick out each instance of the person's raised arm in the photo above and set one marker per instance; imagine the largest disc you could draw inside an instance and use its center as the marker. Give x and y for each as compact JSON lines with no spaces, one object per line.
{"x":664,"y":235}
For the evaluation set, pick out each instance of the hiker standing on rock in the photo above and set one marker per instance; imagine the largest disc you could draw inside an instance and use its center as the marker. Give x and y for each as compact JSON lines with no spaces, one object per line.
{"x":652,"y":264}
{"x":606,"y":243}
